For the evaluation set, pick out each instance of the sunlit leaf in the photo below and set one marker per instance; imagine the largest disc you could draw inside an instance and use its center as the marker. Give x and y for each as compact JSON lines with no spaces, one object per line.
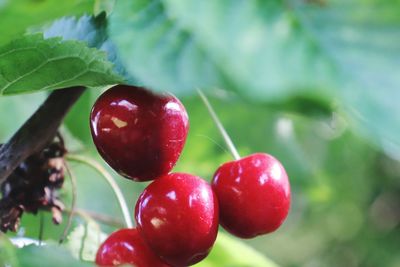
{"x":158,"y":52}
{"x":231,"y":252}
{"x":84,"y":240}
{"x":31,"y":64}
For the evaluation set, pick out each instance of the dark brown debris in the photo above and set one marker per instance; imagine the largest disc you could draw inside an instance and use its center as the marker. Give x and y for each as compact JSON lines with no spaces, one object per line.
{"x":34,"y":185}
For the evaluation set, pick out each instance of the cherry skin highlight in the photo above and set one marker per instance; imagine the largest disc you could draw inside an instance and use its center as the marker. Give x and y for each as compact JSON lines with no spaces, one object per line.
{"x":126,"y":246}
{"x":177,"y":215}
{"x":253,"y":195}
{"x":138,"y":133}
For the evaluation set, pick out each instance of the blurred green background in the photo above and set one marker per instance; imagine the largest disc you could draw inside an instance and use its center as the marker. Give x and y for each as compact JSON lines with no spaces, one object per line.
{"x":329,"y":112}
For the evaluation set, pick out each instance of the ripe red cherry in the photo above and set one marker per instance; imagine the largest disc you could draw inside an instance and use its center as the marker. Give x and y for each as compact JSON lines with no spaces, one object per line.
{"x":177,"y":215}
{"x":253,"y":195}
{"x":139,"y":134}
{"x":126,"y":246}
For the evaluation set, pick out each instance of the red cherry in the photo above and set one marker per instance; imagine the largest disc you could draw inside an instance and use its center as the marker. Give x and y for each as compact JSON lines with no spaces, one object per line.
{"x":126,"y":246}
{"x":177,"y":215}
{"x":253,"y":195}
{"x":139,"y":134}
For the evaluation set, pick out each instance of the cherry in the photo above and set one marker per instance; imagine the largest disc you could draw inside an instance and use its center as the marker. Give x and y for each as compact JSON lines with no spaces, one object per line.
{"x":253,"y":195}
{"x":126,"y":246}
{"x":177,"y":215}
{"x":138,"y":133}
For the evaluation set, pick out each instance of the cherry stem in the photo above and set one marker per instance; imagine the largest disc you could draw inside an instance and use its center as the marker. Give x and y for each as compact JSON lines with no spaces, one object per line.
{"x":73,"y":203}
{"x":102,"y":218}
{"x":108,"y":177}
{"x":219,"y":125}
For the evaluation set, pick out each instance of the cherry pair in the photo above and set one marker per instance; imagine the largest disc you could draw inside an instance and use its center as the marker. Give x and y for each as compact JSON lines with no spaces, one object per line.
{"x":177,"y":219}
{"x":141,"y":135}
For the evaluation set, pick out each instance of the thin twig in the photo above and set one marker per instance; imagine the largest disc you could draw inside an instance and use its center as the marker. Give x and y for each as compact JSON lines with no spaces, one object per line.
{"x":108,"y":177}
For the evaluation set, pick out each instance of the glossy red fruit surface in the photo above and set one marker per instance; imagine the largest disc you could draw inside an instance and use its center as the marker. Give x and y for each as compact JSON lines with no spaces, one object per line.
{"x":138,"y":133}
{"x":126,"y":246}
{"x":177,"y":215}
{"x":253,"y":195}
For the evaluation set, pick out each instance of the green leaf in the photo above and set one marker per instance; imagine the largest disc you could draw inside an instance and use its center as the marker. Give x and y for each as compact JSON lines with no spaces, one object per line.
{"x":260,"y":44}
{"x":362,"y":38}
{"x":157,"y":52}
{"x":31,"y":64}
{"x":84,"y":240}
{"x":230,"y":252}
{"x":18,"y":15}
{"x":349,"y":47}
{"x":49,"y":255}
{"x":86,"y":28}
{"x":92,"y":30}
{"x":191,"y":44}
{"x":268,"y":50}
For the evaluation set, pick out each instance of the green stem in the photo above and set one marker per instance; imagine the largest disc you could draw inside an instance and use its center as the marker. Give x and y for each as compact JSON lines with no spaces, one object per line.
{"x":73,"y":203}
{"x":108,"y":177}
{"x":98,"y":217}
{"x":219,"y":125}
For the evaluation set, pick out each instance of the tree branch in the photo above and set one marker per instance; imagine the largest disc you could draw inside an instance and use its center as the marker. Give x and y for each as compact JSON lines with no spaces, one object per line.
{"x":38,"y":130}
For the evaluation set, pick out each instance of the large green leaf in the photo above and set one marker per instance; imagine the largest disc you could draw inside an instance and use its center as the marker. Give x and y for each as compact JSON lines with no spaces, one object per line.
{"x":18,"y":15}
{"x":269,"y":50}
{"x":32,"y":63}
{"x":260,"y":44}
{"x":362,"y":38}
{"x":281,"y":45}
{"x":253,"y":46}
{"x":158,"y":52}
